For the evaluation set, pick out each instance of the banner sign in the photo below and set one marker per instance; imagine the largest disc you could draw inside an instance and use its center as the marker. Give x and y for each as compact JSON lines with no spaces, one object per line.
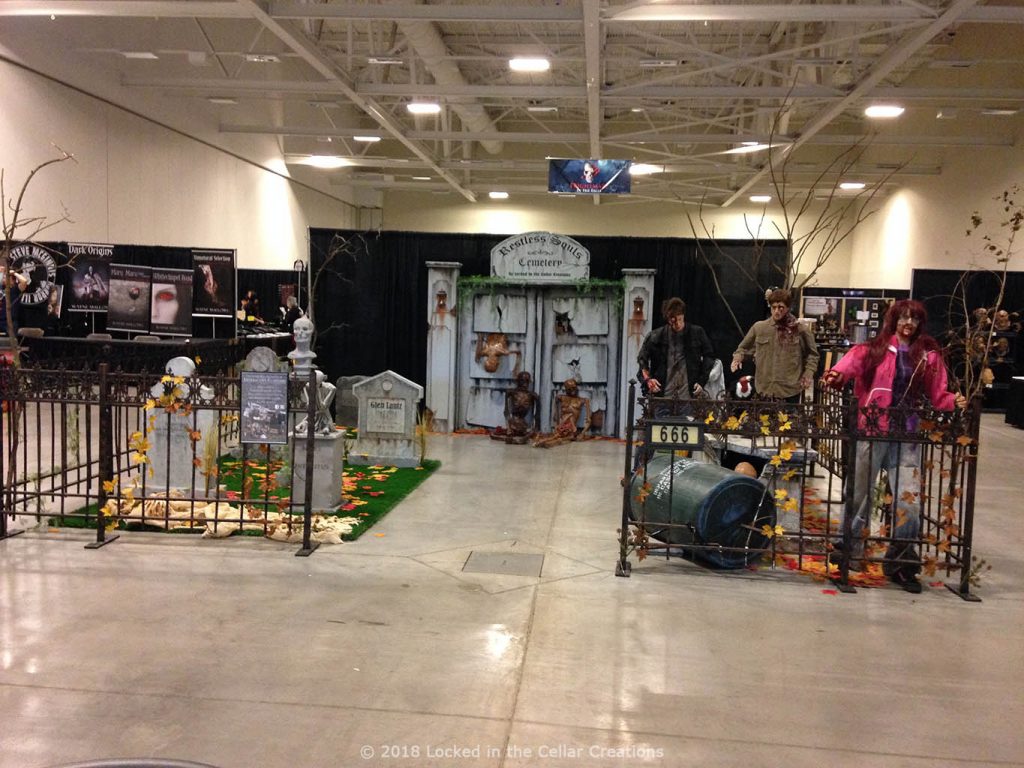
{"x":213,"y":289}
{"x":171,"y":306}
{"x":90,"y":279}
{"x":128,"y":307}
{"x":589,"y":177}
{"x":540,"y":257}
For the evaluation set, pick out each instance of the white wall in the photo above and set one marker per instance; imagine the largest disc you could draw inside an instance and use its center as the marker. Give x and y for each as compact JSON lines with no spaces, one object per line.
{"x":925,"y":223}
{"x":137,"y":182}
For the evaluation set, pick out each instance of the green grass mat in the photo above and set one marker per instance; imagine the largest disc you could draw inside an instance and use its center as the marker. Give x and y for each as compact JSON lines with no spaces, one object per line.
{"x":369,"y":493}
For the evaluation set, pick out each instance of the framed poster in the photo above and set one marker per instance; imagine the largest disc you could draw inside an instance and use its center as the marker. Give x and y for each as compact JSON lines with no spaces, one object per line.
{"x":171,"y":308}
{"x":264,"y":402}
{"x":128,"y":308}
{"x":213,"y":283}
{"x":90,"y":280}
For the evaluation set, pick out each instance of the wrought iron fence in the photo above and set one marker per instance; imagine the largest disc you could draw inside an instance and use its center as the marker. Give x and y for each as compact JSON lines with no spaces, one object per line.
{"x":799,"y":504}
{"x":109,"y":450}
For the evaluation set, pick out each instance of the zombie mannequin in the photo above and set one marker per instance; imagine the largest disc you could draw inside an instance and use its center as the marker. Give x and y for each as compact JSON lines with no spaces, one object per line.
{"x":568,"y":409}
{"x":522,"y":414}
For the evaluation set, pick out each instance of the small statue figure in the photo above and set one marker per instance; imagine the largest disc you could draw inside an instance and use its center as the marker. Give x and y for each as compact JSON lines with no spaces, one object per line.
{"x":1002,"y":321}
{"x":568,"y":408}
{"x":492,"y":349}
{"x":302,"y":356}
{"x":522,"y":415}
{"x":325,"y":391}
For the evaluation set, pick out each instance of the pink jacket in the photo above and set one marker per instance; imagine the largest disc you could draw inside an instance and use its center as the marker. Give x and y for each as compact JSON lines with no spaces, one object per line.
{"x":878,"y":392}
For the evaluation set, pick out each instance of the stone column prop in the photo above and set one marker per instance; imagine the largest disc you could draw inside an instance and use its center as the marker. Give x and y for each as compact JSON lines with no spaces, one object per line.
{"x":387,"y":421}
{"x":442,"y":337}
{"x":170,"y":446}
{"x":637,"y":319}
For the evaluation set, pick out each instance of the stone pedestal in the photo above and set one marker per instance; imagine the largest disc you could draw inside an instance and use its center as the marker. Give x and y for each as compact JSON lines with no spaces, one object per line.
{"x":328,"y":465}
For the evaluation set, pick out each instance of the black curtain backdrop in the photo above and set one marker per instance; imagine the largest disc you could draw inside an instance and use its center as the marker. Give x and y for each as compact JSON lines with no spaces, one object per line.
{"x":370,"y":289}
{"x":942,"y":291}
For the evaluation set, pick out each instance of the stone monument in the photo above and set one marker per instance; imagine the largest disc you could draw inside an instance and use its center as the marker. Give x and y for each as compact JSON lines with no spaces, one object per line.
{"x":387,"y":421}
{"x":328,"y":462}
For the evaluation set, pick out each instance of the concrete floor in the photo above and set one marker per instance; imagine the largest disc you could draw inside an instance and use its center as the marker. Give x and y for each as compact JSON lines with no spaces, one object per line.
{"x":384,"y":651}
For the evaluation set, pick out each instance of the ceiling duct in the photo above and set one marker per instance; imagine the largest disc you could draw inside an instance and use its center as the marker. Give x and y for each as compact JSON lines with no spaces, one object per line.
{"x":427,"y":42}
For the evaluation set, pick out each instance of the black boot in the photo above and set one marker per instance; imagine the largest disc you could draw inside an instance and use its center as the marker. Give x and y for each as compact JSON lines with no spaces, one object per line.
{"x":901,"y":566}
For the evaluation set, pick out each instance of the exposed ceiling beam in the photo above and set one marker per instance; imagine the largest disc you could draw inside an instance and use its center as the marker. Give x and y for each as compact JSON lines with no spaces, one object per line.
{"x":827,"y":12}
{"x":329,"y":70}
{"x":893,"y":58}
{"x":156,"y":9}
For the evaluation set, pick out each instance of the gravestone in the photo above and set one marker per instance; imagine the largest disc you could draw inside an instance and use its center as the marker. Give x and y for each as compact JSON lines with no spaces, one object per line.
{"x":263,"y":359}
{"x":346,"y":406}
{"x":170,"y":451}
{"x":387,"y":421}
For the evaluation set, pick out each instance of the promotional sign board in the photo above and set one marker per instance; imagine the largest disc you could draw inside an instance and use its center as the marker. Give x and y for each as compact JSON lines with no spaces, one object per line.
{"x":264,"y":401}
{"x":171,"y":306}
{"x":213,"y":283}
{"x":128,"y":307}
{"x":90,"y":280}
{"x":589,"y":177}
{"x":540,"y":257}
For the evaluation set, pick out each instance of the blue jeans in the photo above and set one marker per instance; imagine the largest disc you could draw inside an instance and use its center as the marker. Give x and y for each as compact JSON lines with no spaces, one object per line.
{"x":902,"y":462}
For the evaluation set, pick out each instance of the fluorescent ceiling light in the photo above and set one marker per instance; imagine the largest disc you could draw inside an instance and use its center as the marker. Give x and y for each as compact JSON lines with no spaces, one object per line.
{"x":498,"y":195}
{"x":747,"y":146}
{"x":383,"y":60}
{"x":637,"y":109}
{"x":368,"y":139}
{"x":849,"y":185}
{"x":760,"y":198}
{"x":222,"y":100}
{"x":657,"y":63}
{"x":884,"y":110}
{"x":529,"y":64}
{"x":951,"y":64}
{"x":539,"y":108}
{"x":139,"y":55}
{"x":421,"y":178}
{"x":423,"y":107}
{"x":945,"y":113}
{"x":999,"y":111}
{"x":645,"y":169}
{"x":261,"y":58}
{"x":326,"y":161}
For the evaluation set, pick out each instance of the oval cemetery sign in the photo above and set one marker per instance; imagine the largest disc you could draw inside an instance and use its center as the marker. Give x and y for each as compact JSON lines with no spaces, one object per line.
{"x":540,"y":257}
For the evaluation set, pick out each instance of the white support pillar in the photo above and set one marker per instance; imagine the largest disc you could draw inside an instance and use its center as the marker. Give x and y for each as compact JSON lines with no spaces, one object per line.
{"x":637,"y":320}
{"x":442,"y":342}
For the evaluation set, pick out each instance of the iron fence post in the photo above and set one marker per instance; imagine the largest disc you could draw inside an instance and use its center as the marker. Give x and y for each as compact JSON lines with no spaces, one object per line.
{"x":312,"y":402}
{"x":623,"y":567}
{"x":106,"y":455}
{"x":963,"y":589}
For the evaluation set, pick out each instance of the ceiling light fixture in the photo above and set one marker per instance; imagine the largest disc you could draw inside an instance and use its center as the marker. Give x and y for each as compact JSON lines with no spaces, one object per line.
{"x":326,"y":161}
{"x":498,"y":195}
{"x":645,"y":169}
{"x":423,"y":107}
{"x":261,"y":58}
{"x":149,"y":55}
{"x":999,"y":111}
{"x":745,"y":147}
{"x":222,"y":100}
{"x":367,"y":139}
{"x":421,"y":178}
{"x":760,"y":198}
{"x":383,"y":60}
{"x":636,"y":109}
{"x":529,"y":64}
{"x":540,"y":108}
{"x":945,"y":113}
{"x":852,"y":185}
{"x":657,"y":63}
{"x":883,"y":111}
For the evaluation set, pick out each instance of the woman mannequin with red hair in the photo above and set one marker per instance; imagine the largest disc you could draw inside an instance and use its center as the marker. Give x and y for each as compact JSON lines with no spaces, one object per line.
{"x":901,"y":367}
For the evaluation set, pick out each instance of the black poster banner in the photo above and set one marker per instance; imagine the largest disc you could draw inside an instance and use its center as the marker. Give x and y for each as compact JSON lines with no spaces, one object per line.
{"x":128,"y":308}
{"x":171,"y":305}
{"x":90,"y":279}
{"x":213,"y":293}
{"x":264,"y":400}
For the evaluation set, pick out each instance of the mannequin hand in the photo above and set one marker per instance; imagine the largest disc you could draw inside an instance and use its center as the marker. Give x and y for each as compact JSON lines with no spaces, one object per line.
{"x":960,"y":401}
{"x":653,"y":385}
{"x":805,"y":381}
{"x":832,"y":378}
{"x":698,"y":390}
{"x":736,"y":365}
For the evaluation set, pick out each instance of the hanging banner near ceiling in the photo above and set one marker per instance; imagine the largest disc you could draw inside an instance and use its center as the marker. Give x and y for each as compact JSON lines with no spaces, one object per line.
{"x":213,"y":283}
{"x":90,"y":279}
{"x":540,"y":257}
{"x":171,"y":304}
{"x":128,"y":307}
{"x":589,"y":177}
